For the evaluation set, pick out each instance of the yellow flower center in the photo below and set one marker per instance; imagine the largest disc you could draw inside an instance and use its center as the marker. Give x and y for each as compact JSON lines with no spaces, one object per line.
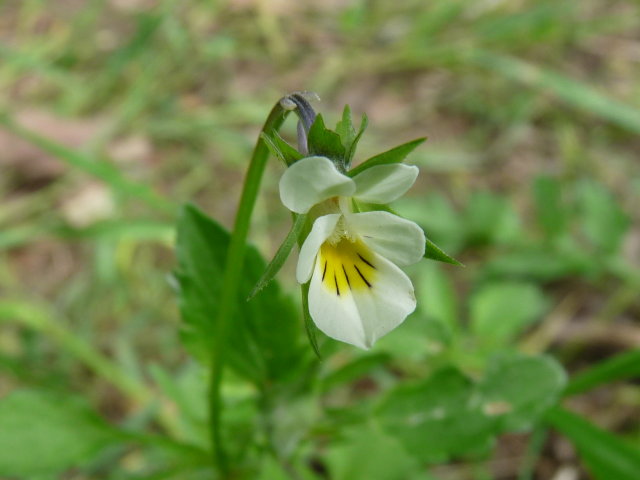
{"x":346,"y":265}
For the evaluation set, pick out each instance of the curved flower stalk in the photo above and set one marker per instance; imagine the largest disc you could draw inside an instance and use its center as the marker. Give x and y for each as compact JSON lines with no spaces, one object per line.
{"x":357,"y":292}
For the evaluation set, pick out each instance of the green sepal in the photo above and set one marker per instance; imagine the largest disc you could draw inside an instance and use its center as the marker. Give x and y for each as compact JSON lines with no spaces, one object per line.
{"x":395,"y":155}
{"x":281,"y":255}
{"x":309,"y":326}
{"x":325,"y":143}
{"x":348,"y":134}
{"x":345,"y":128}
{"x":433,"y":252}
{"x":280,"y":148}
{"x":352,"y":148}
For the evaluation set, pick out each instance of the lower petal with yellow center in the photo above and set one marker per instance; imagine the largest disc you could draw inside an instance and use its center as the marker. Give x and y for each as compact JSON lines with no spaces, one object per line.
{"x":356,"y":295}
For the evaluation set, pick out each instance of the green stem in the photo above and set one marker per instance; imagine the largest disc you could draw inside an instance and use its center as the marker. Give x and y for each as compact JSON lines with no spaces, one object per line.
{"x":231,"y":281}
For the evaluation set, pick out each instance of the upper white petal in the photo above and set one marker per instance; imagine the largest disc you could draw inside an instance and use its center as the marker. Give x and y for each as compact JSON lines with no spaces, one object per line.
{"x":362,"y":316}
{"x":384,"y":183}
{"x":312,"y":180}
{"x":322,"y":229}
{"x":395,"y":238}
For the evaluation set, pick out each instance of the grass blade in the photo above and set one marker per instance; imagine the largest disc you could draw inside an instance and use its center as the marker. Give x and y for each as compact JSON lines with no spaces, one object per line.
{"x":606,"y":455}
{"x":101,"y":170}
{"x":625,"y":365}
{"x":575,"y":93}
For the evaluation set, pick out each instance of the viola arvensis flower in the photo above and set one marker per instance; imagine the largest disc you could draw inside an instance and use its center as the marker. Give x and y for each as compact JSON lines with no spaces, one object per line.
{"x":357,"y":292}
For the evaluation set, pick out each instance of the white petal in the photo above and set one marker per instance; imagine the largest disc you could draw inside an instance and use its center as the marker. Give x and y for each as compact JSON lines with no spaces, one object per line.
{"x":312,"y":180}
{"x":395,"y":238}
{"x":384,"y":183}
{"x":322,"y":229}
{"x":362,"y":316}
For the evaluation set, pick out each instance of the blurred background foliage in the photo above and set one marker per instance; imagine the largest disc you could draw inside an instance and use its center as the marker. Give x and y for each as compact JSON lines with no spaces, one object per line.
{"x":115,"y":112}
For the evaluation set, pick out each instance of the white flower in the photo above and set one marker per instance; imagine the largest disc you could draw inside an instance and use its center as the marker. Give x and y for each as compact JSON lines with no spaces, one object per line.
{"x":357,"y":292}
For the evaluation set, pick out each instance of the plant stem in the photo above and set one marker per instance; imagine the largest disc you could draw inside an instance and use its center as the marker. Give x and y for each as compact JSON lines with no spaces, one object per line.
{"x":233,"y":274}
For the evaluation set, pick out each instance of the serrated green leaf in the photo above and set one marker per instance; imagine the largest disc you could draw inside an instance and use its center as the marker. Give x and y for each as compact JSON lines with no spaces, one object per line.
{"x":501,"y":310}
{"x":395,"y":155}
{"x":607,"y":456}
{"x":281,"y":255}
{"x":42,"y":433}
{"x":516,"y":389}
{"x":324,"y":142}
{"x":264,"y":338}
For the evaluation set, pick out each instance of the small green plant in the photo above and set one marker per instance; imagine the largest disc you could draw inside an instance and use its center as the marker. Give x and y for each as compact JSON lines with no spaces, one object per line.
{"x":260,"y":402}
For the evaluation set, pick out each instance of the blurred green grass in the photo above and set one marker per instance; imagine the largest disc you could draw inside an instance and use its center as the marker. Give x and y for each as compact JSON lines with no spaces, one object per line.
{"x":166,"y":99}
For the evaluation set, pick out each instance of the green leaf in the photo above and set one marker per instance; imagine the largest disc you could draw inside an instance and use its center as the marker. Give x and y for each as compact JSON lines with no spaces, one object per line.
{"x":603,"y":221}
{"x":324,"y":142}
{"x":448,"y":416}
{"x":607,"y":456}
{"x":516,"y":389}
{"x":625,"y":365}
{"x":44,"y":434}
{"x":435,"y":419}
{"x":433,"y":252}
{"x":395,"y":155}
{"x":281,"y":255}
{"x":500,"y":311}
{"x":550,"y":211}
{"x":264,"y":338}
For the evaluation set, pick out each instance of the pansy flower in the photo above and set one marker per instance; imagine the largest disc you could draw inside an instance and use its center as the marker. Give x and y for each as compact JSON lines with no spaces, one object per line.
{"x":357,"y":292}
